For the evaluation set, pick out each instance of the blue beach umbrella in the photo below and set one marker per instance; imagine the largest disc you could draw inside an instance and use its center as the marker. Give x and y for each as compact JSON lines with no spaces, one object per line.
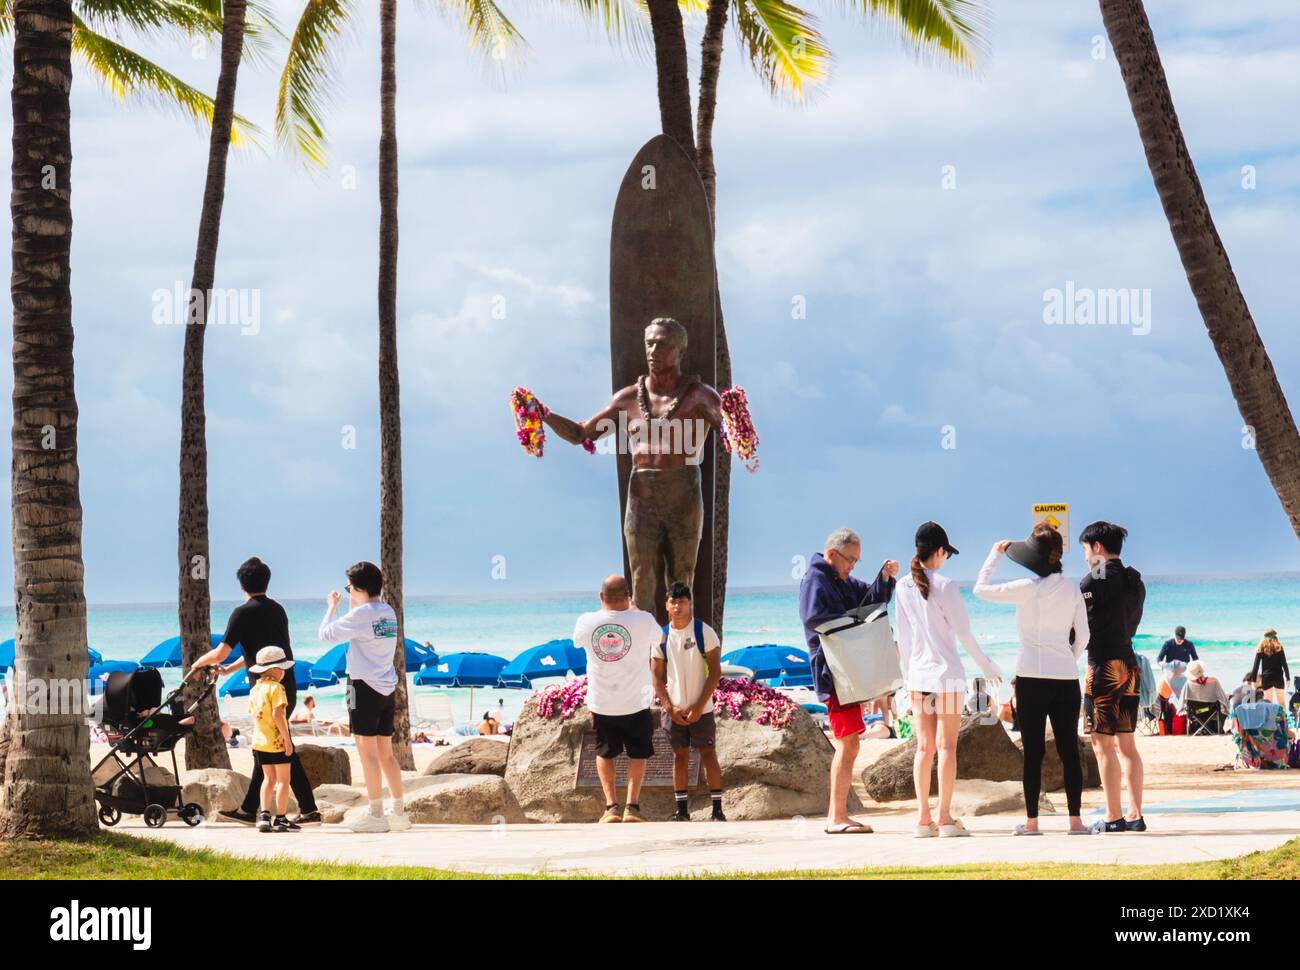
{"x":304,"y":678}
{"x":554,"y":659}
{"x":769,"y":660}
{"x":7,"y":654}
{"x":462,"y":670}
{"x":168,"y":653}
{"x":335,"y":660}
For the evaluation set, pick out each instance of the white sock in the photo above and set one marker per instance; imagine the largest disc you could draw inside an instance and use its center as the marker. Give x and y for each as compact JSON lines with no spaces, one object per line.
{"x":399,"y":807}
{"x":377,"y":807}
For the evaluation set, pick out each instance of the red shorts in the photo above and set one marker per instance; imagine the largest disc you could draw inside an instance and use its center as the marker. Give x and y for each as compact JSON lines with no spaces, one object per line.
{"x":845,"y":719}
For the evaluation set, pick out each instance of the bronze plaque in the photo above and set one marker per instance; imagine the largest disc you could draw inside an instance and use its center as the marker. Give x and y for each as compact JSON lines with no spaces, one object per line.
{"x":658,"y":767}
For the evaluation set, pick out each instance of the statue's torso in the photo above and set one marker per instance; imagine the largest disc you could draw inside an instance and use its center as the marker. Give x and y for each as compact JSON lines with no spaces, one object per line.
{"x":678,"y":429}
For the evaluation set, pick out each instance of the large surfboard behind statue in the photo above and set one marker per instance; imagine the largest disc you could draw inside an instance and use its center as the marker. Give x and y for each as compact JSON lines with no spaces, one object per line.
{"x":661,"y":265}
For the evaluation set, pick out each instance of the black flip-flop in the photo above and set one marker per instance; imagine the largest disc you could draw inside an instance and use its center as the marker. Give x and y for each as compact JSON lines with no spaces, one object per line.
{"x":850,"y":828}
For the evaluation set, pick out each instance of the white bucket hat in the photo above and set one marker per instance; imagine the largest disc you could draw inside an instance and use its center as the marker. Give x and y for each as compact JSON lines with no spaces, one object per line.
{"x":269,"y":657}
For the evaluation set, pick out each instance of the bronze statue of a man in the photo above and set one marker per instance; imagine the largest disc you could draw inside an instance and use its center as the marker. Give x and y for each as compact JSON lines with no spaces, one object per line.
{"x":664,"y":420}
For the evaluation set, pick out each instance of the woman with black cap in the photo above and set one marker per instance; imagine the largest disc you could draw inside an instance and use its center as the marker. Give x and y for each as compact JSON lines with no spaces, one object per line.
{"x":931,"y":618}
{"x":1052,"y":625}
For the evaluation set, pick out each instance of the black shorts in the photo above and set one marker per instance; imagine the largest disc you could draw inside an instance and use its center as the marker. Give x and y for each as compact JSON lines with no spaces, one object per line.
{"x":1272,"y":681}
{"x":616,"y":733}
{"x":370,"y":714}
{"x":702,"y":734}
{"x":271,"y":758}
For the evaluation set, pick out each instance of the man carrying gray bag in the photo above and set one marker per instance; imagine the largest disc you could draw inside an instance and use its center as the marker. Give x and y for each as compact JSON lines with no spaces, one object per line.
{"x":846,"y":627}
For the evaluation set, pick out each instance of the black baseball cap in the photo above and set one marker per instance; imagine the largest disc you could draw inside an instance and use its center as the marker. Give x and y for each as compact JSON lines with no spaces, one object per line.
{"x":931,"y":535}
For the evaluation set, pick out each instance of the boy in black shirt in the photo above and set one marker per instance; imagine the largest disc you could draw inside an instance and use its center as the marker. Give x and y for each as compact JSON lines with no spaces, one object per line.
{"x":1114,"y":595}
{"x":256,"y":623}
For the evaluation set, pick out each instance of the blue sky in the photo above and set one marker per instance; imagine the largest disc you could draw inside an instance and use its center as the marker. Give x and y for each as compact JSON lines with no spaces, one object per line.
{"x":924,"y":304}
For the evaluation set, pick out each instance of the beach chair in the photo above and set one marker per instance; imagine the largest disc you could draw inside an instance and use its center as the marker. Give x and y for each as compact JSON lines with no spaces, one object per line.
{"x":1259,"y":729}
{"x":434,"y":713}
{"x":1149,"y":707}
{"x":1204,"y":719}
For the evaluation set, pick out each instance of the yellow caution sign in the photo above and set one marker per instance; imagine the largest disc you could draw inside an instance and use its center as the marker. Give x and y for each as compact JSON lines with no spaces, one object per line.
{"x":1055,"y":514}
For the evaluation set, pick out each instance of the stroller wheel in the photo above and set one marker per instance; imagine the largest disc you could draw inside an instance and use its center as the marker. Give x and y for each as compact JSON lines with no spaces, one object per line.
{"x":155,"y":816}
{"x":192,"y":814}
{"x":109,"y":815}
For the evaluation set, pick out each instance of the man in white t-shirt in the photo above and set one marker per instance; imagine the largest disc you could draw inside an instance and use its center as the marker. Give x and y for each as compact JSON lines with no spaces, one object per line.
{"x":370,"y":630}
{"x":619,"y":641}
{"x":687,"y":666}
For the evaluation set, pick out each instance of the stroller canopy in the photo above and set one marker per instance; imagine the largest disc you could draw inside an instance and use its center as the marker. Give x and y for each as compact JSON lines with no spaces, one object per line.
{"x":127,"y":693}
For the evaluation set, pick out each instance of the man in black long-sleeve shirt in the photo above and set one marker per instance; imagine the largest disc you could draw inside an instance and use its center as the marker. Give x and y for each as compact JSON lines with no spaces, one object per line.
{"x":1114,"y":595}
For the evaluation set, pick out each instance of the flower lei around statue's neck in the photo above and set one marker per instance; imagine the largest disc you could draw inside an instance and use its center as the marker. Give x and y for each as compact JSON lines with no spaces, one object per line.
{"x":643,"y":398}
{"x":732,"y":696}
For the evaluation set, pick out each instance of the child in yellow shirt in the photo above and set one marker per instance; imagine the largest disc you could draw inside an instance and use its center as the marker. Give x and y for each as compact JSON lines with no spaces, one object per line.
{"x":272,"y":743}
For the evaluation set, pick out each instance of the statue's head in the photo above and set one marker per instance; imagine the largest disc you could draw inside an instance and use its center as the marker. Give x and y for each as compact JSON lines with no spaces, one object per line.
{"x":665,"y":344}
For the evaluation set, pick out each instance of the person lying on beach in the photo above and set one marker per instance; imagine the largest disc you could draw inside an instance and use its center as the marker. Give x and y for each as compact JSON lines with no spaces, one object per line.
{"x":489,"y":725}
{"x":306,"y":718}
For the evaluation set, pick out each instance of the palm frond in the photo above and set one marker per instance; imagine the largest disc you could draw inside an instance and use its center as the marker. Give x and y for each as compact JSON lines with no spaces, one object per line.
{"x":193,"y":18}
{"x":625,"y":22}
{"x":489,"y":31}
{"x":307,"y":81}
{"x":259,"y":26}
{"x":783,"y":45}
{"x":955,"y":31}
{"x":128,"y":74}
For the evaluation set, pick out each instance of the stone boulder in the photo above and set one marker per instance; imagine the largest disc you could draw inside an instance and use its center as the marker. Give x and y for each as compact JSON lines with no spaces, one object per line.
{"x":128,"y":786}
{"x":465,"y":799}
{"x":984,"y":751}
{"x":333,"y":801}
{"x":1054,"y":776}
{"x":978,"y":797}
{"x":767,"y":773}
{"x":214,"y":789}
{"x":325,"y":765}
{"x":478,"y":756}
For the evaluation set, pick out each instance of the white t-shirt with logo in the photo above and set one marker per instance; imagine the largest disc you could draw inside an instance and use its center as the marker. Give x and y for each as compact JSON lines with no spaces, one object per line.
{"x":618,"y":645}
{"x":687,"y":670}
{"x":371,"y":634}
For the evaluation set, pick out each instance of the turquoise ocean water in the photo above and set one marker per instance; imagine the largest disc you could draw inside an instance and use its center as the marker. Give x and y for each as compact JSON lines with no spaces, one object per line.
{"x":1224,"y":617}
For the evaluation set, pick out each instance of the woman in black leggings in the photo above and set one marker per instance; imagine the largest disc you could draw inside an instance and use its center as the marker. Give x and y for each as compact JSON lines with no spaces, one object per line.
{"x":1052,"y":624}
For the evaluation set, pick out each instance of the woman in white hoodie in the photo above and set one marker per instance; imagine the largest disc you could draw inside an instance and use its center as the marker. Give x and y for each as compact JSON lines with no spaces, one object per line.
{"x":931,"y":617}
{"x":1052,"y":624}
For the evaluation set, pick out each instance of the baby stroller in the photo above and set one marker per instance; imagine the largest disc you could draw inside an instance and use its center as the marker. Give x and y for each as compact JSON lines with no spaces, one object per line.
{"x":142,"y":723}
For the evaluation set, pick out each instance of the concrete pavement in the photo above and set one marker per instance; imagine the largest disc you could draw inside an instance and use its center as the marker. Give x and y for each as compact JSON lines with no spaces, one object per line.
{"x":667,"y":848}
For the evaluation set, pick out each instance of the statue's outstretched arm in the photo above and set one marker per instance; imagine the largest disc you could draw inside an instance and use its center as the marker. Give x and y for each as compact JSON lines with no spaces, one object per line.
{"x":593,"y":429}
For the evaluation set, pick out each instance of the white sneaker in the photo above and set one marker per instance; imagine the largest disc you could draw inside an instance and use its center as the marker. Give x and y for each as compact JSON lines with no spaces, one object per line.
{"x":398,"y":822}
{"x":370,"y":823}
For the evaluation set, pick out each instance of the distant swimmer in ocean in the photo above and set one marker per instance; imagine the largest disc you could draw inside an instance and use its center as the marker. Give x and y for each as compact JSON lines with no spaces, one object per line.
{"x":1271,"y":668}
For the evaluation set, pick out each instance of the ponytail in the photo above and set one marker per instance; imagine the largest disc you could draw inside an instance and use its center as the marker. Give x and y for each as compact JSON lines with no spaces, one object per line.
{"x":918,"y":571}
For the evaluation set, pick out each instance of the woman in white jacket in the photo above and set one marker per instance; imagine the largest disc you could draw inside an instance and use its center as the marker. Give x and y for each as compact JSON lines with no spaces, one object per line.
{"x":1052,"y":624}
{"x":931,"y":617}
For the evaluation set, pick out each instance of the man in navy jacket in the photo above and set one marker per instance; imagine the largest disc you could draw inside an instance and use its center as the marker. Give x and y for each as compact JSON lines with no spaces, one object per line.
{"x":826,"y":592}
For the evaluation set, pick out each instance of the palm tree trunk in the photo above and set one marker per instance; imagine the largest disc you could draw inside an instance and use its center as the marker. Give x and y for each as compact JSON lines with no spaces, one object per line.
{"x":670,"y":66}
{"x":710,"y":67}
{"x":47,"y":788}
{"x":390,"y":402}
{"x":1214,"y":285}
{"x":205,"y":748}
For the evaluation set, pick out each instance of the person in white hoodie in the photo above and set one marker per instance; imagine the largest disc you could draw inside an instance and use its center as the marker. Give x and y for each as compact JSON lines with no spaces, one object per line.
{"x":930,"y":617}
{"x":1052,"y":625}
{"x":370,"y":630}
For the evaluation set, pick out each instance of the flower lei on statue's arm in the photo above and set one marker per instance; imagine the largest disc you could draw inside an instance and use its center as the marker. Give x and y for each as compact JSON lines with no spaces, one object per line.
{"x":738,"y":435}
{"x":529,"y":427}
